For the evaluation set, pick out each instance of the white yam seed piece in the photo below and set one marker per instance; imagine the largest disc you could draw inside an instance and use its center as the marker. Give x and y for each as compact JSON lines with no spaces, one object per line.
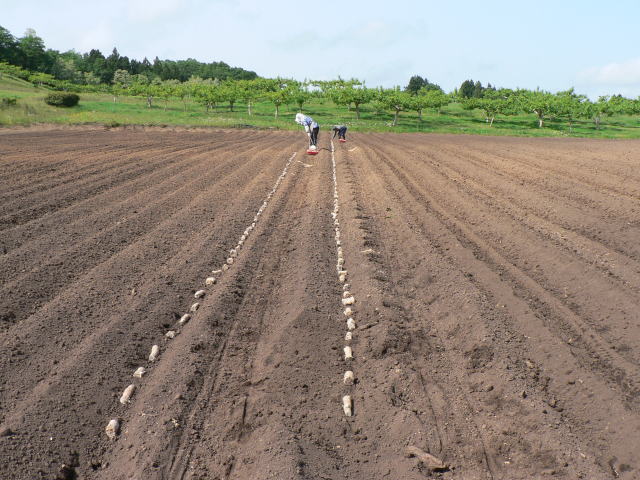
{"x":351,"y":324}
{"x":348,"y":353}
{"x":126,"y":395}
{"x":243,"y":237}
{"x":155,"y":351}
{"x":140,"y":371}
{"x":346,"y":405}
{"x":184,"y":319}
{"x":346,"y":294}
{"x":253,"y":225}
{"x":216,"y":272}
{"x":200,"y":294}
{"x":171,"y":334}
{"x":346,"y":286}
{"x":338,"y":242}
{"x":113,"y":428}
{"x":233,"y":253}
{"x":342,"y":278}
{"x":230,"y":261}
{"x":194,"y":307}
{"x":348,"y":301}
{"x":348,"y":336}
{"x":348,"y":312}
{"x":348,"y":378}
{"x":225,"y":267}
{"x":210,"y":281}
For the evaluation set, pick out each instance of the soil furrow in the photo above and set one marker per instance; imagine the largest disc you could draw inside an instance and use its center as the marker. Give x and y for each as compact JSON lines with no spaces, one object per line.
{"x":23,"y":292}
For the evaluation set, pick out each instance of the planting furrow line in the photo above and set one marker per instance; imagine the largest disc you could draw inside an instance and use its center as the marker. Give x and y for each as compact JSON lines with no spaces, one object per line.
{"x":607,"y":255}
{"x":348,"y":299}
{"x":587,"y":342}
{"x":428,"y":420}
{"x":164,"y":247}
{"x":116,"y":201}
{"x":113,"y":426}
{"x":564,"y":176}
{"x":82,"y":190}
{"x":590,"y":207}
{"x":108,"y":241}
{"x":96,"y":167}
{"x":616,"y":284}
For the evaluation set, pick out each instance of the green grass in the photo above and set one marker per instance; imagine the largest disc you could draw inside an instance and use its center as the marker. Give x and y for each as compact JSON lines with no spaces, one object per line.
{"x":101,"y":109}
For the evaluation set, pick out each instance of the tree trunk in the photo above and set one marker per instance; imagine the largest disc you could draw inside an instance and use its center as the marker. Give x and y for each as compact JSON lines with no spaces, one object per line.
{"x":249,"y":107}
{"x":491,"y":123}
{"x":149,"y":101}
{"x":357,"y":111}
{"x":231,"y":106}
{"x":420,"y":114}
{"x":277,"y":110}
{"x":395,"y":117}
{"x":115,"y":99}
{"x":597,"y":121}
{"x":166,"y":102}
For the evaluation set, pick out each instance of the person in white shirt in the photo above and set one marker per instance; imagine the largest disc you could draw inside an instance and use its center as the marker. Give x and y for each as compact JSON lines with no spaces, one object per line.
{"x":311,"y":127}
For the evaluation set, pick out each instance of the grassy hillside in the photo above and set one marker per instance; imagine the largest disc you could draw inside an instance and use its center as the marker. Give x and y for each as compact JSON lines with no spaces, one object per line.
{"x":101,"y":109}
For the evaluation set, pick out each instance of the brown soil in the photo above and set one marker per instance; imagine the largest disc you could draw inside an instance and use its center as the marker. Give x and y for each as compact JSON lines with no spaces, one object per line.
{"x":497,"y":284}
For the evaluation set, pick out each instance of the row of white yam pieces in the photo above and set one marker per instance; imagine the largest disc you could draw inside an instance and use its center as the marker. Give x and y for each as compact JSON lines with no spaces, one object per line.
{"x":113,"y":427}
{"x":348,"y":300}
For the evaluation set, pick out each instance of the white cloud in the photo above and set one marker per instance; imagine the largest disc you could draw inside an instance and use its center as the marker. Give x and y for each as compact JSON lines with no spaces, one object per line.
{"x":100,"y":36}
{"x":622,"y":73}
{"x":149,"y":10}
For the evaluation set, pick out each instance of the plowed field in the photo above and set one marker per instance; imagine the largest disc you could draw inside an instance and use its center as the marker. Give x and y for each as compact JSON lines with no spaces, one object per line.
{"x":496,"y":287}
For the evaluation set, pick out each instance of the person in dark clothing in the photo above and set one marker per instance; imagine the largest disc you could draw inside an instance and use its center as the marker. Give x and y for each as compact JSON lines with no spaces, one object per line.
{"x":341,"y":131}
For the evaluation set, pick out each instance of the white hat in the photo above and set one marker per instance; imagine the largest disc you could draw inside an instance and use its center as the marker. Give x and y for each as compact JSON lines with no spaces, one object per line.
{"x":299,"y":118}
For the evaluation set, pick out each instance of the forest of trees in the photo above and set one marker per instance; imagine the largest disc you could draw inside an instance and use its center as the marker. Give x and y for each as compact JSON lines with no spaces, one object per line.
{"x":30,"y":53}
{"x":215,"y":84}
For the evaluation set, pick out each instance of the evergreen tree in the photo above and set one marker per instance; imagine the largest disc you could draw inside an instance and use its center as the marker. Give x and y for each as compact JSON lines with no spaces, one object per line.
{"x":415,"y":84}
{"x":467,"y":89}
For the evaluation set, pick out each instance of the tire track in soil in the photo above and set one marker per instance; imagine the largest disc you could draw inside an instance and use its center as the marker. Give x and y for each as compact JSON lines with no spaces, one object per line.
{"x":559,"y":389}
{"x":83,"y":255}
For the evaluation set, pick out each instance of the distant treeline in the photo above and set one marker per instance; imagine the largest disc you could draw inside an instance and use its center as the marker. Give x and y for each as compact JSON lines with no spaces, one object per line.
{"x":93,"y":68}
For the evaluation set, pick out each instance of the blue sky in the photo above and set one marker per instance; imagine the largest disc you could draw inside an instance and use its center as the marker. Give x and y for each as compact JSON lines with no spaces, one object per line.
{"x":591,"y":45}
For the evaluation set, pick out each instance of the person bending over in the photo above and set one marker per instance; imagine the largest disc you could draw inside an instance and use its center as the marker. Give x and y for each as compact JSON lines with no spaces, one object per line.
{"x":341,"y":131}
{"x":311,"y":127}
